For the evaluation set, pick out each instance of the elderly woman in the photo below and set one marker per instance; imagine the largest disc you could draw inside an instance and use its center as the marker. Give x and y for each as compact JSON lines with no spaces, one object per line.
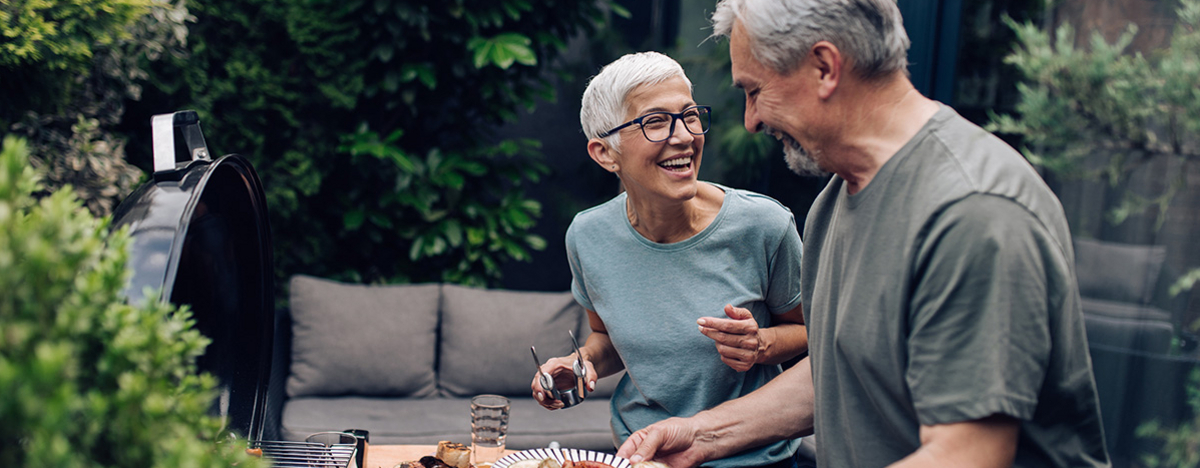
{"x":671,"y":254}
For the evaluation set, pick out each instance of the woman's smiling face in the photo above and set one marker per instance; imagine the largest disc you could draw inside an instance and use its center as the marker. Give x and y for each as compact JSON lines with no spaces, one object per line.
{"x":666,"y":169}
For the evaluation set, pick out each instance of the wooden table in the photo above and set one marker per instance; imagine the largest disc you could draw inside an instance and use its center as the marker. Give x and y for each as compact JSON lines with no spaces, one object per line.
{"x":388,"y":456}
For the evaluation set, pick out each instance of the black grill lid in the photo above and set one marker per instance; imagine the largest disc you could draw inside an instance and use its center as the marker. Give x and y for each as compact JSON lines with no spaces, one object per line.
{"x":201,"y":237}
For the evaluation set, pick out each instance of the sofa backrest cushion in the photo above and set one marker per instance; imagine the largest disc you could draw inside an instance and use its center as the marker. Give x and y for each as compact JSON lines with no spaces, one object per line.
{"x":1118,"y":272}
{"x":486,"y":335}
{"x":362,"y":340}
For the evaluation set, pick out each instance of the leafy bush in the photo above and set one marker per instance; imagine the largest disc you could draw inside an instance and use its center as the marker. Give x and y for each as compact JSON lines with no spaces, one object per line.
{"x":1181,"y":444}
{"x":67,"y":67}
{"x":371,"y":124}
{"x":89,"y":380}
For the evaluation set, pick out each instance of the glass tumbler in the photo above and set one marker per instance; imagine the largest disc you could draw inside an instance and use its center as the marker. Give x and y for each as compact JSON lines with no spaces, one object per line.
{"x":489,"y":426}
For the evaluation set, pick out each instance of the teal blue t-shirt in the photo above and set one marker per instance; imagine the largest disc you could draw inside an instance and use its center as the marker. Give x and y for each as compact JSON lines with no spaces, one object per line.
{"x":650,"y":295}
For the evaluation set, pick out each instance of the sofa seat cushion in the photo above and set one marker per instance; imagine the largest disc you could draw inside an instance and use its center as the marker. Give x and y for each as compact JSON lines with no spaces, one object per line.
{"x":427,"y":421}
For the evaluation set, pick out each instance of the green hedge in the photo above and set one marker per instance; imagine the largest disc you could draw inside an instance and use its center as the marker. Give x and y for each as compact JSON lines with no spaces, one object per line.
{"x":371,"y":124}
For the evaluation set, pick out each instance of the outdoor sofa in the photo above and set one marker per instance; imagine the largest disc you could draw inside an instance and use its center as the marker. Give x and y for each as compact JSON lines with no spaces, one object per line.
{"x":403,"y":361}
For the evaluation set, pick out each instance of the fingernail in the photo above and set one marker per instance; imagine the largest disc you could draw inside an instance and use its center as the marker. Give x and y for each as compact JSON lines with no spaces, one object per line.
{"x":592,"y":385}
{"x":539,"y":396}
{"x":637,"y":459}
{"x":702,"y":322}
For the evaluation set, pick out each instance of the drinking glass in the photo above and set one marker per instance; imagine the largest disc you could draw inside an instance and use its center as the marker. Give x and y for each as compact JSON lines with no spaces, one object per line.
{"x":489,"y":427}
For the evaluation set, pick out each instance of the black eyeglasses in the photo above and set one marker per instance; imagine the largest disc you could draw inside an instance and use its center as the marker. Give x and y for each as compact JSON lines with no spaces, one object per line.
{"x":658,"y":126}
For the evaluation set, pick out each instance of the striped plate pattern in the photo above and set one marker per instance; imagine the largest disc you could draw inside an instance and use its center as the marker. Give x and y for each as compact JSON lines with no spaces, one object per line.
{"x":561,"y":455}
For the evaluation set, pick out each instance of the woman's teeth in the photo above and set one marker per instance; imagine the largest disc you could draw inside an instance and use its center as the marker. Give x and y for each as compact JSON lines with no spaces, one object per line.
{"x":676,"y":163}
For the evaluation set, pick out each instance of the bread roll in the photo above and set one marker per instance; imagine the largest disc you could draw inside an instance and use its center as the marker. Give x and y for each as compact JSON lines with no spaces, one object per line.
{"x":454,"y":454}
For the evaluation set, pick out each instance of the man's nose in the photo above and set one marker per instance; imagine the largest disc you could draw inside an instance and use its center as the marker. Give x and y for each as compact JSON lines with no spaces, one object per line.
{"x":753,"y":123}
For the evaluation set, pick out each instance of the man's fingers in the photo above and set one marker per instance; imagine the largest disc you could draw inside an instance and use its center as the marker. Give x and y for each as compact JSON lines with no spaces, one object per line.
{"x":641,"y":445}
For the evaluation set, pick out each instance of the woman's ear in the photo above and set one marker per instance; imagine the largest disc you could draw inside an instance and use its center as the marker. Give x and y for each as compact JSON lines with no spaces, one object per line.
{"x":603,"y":154}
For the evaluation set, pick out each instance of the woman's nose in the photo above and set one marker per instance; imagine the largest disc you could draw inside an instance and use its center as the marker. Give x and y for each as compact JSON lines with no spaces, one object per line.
{"x":680,"y":133}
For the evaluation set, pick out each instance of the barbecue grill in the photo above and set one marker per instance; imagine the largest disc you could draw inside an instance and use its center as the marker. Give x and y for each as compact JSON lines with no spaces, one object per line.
{"x":201,"y":237}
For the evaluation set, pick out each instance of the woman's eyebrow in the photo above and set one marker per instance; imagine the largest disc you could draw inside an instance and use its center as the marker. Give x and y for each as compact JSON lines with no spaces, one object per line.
{"x":664,"y":109}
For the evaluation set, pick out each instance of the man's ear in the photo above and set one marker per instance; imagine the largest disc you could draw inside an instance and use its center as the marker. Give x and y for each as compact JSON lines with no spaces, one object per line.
{"x":603,"y":154}
{"x":828,"y":60}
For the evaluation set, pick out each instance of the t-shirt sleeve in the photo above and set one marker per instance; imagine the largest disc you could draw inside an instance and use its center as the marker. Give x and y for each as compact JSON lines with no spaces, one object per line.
{"x":979,"y":339}
{"x":783,"y":293}
{"x":578,"y":285}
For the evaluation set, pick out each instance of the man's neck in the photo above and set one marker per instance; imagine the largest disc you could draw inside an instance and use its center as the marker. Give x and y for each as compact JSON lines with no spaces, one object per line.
{"x":880,"y":119}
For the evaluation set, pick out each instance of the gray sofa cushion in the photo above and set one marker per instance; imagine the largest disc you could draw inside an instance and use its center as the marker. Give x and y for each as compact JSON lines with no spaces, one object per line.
{"x":427,"y":421}
{"x":339,"y":329}
{"x":1153,"y":336}
{"x":1118,"y":272}
{"x":486,"y":335}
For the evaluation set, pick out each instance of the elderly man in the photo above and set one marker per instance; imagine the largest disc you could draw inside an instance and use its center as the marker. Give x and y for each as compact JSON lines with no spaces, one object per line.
{"x":938,"y":279}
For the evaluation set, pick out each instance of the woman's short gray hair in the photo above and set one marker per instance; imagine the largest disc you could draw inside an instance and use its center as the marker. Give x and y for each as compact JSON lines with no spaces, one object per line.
{"x":870,"y":33}
{"x":604,"y":103}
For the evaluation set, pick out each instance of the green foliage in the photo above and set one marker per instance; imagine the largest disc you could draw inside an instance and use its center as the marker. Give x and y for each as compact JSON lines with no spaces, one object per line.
{"x":61,"y":35}
{"x":66,"y":69}
{"x":89,"y":380}
{"x":470,"y":218}
{"x":1185,"y":282}
{"x":1126,"y":109}
{"x":45,"y":45}
{"x":1181,"y":445}
{"x":355,"y":112}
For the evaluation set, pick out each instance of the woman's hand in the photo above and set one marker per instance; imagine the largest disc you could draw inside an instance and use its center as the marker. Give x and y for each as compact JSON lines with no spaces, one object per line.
{"x":739,"y":340}
{"x":563,"y":375}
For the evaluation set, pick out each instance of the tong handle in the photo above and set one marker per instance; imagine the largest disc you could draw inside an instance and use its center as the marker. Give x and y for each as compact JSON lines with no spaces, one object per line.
{"x":544,"y":379}
{"x":578,"y":367}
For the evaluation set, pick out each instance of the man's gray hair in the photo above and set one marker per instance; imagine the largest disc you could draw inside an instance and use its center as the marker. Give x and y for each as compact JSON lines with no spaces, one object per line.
{"x":870,"y":33}
{"x":604,"y":103}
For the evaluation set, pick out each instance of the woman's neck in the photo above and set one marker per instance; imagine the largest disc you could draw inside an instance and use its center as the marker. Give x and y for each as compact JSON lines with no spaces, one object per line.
{"x":669,"y":221}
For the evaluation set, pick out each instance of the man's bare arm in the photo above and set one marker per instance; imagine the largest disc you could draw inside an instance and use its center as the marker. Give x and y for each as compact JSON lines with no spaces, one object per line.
{"x":985,"y":443}
{"x":781,"y":409}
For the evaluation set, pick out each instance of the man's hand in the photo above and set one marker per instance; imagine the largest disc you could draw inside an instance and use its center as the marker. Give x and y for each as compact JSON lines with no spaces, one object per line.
{"x":739,"y":340}
{"x":671,"y":441}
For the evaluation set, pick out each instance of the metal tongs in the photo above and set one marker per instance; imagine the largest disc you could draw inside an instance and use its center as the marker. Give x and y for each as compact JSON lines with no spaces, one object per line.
{"x":571,"y":396}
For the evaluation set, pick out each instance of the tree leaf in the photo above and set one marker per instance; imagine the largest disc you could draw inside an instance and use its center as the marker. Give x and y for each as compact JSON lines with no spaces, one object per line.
{"x":353,"y":220}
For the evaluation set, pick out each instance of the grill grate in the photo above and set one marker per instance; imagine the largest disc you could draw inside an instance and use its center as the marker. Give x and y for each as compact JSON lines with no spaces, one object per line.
{"x":305,"y":454}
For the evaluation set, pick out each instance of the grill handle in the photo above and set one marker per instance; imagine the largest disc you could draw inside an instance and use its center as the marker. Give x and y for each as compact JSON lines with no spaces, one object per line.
{"x":163,"y":128}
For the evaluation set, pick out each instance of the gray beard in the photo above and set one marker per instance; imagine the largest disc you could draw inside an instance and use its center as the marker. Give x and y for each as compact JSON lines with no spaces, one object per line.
{"x":798,"y":159}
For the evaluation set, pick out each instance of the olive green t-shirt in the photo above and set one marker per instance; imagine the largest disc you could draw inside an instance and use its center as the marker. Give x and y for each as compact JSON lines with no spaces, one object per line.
{"x":943,"y":292}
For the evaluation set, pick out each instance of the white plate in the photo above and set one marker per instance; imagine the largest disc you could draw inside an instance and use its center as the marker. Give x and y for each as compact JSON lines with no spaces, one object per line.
{"x":561,"y":455}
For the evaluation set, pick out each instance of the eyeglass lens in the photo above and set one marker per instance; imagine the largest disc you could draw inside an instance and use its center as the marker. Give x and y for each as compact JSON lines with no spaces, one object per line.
{"x":658,"y":126}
